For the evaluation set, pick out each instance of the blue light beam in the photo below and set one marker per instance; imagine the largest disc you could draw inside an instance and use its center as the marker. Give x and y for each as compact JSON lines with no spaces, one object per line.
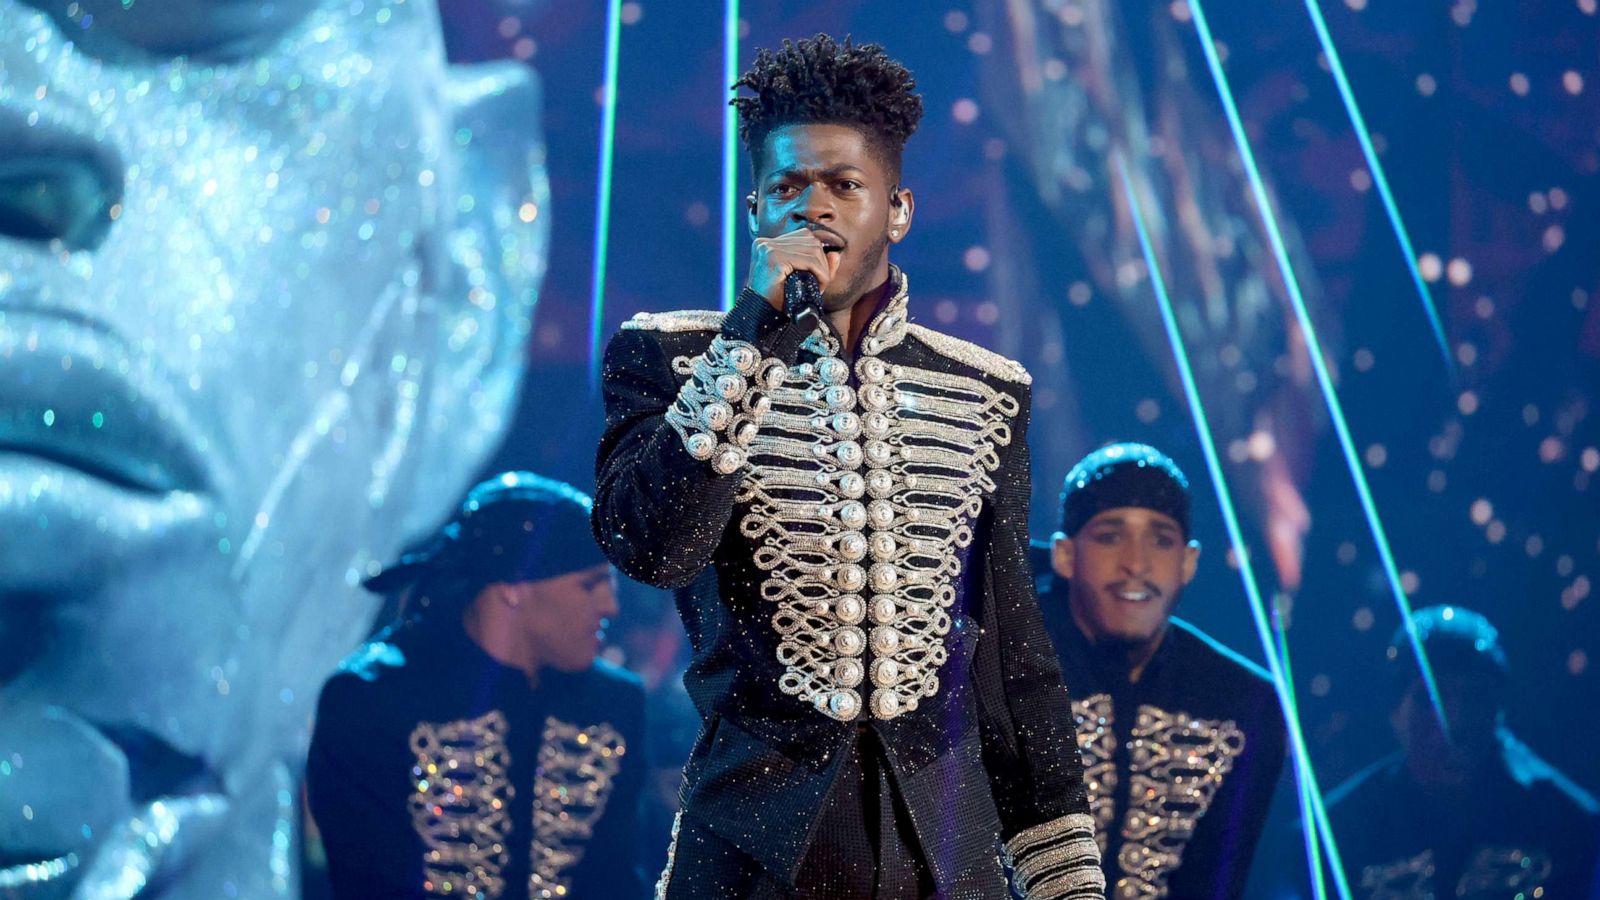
{"x":730,"y":151}
{"x":1258,"y":613}
{"x":1380,"y":181}
{"x":1319,"y":889}
{"x":1314,"y":350}
{"x":602,"y":194}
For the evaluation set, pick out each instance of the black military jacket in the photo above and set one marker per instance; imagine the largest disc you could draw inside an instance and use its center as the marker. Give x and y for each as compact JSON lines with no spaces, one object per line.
{"x":847,"y":541}
{"x":1181,"y":765}
{"x":435,"y":771}
{"x":1522,"y":830}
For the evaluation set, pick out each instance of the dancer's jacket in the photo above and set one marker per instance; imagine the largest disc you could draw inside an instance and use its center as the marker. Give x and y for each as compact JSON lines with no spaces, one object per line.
{"x":847,"y":541}
{"x":436,"y":771}
{"x":1182,"y":763}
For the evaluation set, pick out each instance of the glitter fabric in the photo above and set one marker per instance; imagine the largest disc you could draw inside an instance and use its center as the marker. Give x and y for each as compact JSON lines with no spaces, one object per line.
{"x":882,"y":509}
{"x":265,"y":285}
{"x":436,"y":771}
{"x":865,"y":847}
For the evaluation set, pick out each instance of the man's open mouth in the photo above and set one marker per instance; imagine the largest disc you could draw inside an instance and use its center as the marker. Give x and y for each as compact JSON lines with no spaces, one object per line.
{"x":1132,"y":595}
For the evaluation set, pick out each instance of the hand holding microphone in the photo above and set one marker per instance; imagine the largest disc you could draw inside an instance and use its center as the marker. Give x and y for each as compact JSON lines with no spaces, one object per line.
{"x":792,"y":269}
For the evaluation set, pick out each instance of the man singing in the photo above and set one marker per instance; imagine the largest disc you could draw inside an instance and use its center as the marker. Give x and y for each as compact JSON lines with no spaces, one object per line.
{"x":840,"y":500}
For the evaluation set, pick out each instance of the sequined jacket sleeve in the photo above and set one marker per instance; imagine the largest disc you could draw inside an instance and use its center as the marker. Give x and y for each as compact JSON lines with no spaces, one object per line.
{"x":670,"y":459}
{"x":1029,"y":739}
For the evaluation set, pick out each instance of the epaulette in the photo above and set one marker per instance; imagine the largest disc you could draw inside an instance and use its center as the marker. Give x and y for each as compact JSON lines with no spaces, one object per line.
{"x":677,"y":320}
{"x":977,"y":357}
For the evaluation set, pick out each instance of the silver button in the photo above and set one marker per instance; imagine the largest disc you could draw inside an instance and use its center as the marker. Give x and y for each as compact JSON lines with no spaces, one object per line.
{"x":730,"y":387}
{"x":883,"y":577}
{"x":881,"y":514}
{"x":883,"y":546}
{"x":833,"y":371}
{"x":844,"y":704}
{"x":701,"y":445}
{"x":729,"y":460}
{"x":853,"y":514}
{"x":850,"y":609}
{"x":852,"y":577}
{"x":874,"y":397}
{"x":744,"y":359}
{"x":883,"y":609}
{"x":885,"y":704}
{"x":716,"y":416}
{"x":852,"y":545}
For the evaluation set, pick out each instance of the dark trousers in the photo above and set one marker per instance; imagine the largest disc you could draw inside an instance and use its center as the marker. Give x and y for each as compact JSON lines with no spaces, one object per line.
{"x":863,"y":848}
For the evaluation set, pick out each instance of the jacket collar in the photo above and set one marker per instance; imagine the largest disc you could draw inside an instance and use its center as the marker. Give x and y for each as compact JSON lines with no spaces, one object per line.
{"x":886,"y":329}
{"x":889,"y":324}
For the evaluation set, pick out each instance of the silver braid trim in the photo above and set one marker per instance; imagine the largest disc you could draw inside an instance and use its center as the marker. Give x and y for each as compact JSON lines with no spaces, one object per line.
{"x":1057,"y":860}
{"x":860,"y":499}
{"x":665,"y":880}
{"x":720,"y":407}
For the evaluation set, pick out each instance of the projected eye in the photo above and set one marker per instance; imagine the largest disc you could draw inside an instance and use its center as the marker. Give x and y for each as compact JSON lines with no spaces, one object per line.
{"x":212,"y":30}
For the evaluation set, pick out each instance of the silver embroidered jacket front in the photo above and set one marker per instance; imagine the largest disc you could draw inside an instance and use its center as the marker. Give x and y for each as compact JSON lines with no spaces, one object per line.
{"x":1176,"y":765}
{"x":859,"y":498}
{"x":460,"y":806}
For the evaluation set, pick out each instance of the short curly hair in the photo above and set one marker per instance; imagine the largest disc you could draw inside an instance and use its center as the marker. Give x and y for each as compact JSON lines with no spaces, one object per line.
{"x":821,"y":81}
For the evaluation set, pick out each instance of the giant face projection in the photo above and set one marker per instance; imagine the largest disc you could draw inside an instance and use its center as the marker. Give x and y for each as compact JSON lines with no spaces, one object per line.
{"x":266,"y":273}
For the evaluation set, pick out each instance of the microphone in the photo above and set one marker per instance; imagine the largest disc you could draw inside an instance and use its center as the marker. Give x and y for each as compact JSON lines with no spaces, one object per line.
{"x":802,"y":297}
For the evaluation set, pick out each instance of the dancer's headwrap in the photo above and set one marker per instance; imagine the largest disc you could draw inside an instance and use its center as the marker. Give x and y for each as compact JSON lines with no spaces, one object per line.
{"x":1124,"y":475}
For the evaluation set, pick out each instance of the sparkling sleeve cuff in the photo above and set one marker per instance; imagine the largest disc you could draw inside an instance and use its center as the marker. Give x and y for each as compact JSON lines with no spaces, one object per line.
{"x":1057,"y":860}
{"x":752,"y":319}
{"x":719,"y":408}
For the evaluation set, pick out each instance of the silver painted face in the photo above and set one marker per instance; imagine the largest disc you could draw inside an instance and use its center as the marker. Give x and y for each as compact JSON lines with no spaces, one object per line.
{"x":261,"y":318}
